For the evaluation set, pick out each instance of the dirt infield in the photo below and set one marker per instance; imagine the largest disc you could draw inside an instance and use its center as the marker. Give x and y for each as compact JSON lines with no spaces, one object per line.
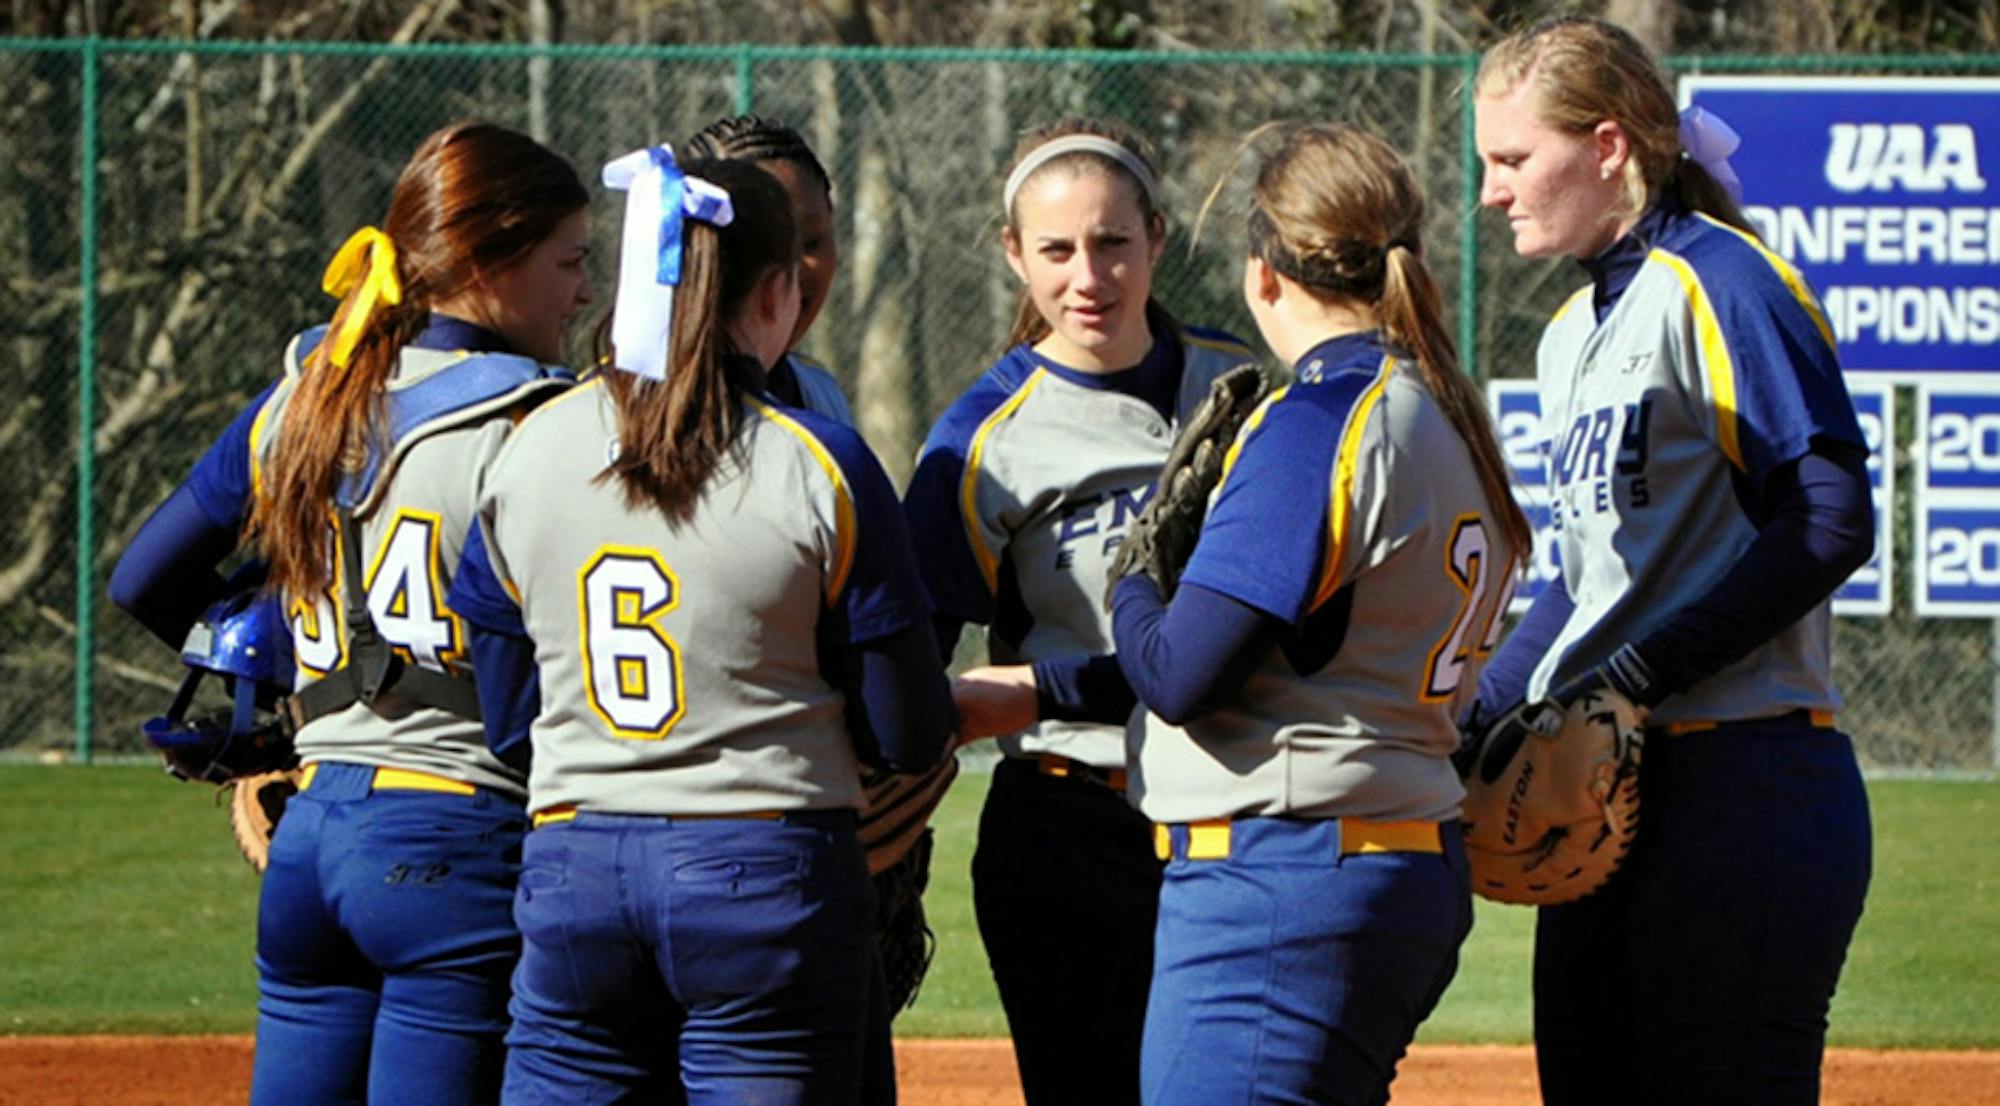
{"x":201,"y":1071}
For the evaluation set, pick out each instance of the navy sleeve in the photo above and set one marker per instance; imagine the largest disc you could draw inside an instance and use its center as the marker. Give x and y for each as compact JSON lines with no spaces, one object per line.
{"x":166,"y":576}
{"x":1821,"y":528}
{"x":1083,"y":689}
{"x":937,"y":524}
{"x":899,"y":708}
{"x":510,"y":691}
{"x":1776,"y":355}
{"x":1283,"y":470}
{"x":476,"y":592}
{"x":884,"y":591}
{"x":884,"y":647}
{"x":1186,"y":658}
{"x":503,"y":656}
{"x":1504,"y":680}
{"x":222,"y":478}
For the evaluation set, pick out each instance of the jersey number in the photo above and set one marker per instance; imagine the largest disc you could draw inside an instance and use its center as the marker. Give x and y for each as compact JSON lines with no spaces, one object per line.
{"x":1467,"y":564}
{"x":631,"y":667}
{"x":404,"y":600}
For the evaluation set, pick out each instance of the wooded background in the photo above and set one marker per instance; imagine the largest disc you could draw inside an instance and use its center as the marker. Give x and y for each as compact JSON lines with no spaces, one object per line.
{"x":173,"y":176}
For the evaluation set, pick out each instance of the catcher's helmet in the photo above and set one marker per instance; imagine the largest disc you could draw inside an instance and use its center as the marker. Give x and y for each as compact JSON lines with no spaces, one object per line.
{"x":244,"y":640}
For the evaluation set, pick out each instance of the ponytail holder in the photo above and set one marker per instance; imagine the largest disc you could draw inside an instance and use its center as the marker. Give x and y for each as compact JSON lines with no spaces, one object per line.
{"x":367,"y":259}
{"x":658,"y":198}
{"x":1708,"y":142}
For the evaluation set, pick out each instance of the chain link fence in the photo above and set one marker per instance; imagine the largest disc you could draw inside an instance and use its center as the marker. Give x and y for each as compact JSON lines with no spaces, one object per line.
{"x":166,"y":210}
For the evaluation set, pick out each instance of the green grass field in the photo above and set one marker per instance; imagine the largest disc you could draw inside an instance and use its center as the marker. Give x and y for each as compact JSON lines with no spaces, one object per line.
{"x":124,"y":909}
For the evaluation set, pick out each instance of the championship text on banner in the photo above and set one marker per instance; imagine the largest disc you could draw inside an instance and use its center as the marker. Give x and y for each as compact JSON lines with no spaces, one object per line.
{"x":1958,"y":500}
{"x":1885,"y":193}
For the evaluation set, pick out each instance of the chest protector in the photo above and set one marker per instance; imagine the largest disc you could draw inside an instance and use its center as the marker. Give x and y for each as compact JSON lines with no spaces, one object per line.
{"x":465,"y":388}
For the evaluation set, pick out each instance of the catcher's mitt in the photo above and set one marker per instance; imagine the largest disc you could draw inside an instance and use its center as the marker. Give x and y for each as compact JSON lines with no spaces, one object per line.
{"x":255,"y":804}
{"x":1552,"y":798}
{"x":901,"y":932}
{"x":1161,"y":539}
{"x":895,"y":830}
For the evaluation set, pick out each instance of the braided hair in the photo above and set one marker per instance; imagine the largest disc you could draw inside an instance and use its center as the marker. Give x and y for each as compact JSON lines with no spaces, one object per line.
{"x":755,"y":138}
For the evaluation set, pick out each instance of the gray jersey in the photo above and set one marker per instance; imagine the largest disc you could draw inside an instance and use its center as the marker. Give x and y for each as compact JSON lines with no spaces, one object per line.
{"x":681,"y":665}
{"x":413,"y":530}
{"x":1025,"y":488}
{"x":1352,"y":512}
{"x":1713,"y":366}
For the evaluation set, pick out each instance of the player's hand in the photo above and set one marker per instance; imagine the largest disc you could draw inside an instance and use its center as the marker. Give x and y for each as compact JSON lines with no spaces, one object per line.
{"x":1490,"y":740}
{"x":994,"y":699}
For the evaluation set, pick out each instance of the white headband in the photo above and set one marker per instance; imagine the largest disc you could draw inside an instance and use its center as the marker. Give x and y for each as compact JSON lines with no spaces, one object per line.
{"x":1075,"y":144}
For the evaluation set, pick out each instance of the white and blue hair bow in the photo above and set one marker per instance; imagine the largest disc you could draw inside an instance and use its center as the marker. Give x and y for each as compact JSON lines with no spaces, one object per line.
{"x":658,"y":198}
{"x":1709,"y":141}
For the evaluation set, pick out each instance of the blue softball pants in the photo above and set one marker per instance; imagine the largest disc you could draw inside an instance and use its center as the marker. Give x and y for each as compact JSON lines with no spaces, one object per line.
{"x":696,"y":960}
{"x":1703,"y":970}
{"x":385,"y":944}
{"x":1294,"y":971}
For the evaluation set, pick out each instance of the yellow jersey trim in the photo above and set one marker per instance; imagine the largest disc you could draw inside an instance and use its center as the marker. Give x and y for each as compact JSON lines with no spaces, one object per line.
{"x":1219,"y":345}
{"x":1582,"y":293}
{"x":1794,"y":280}
{"x":1243,"y":434}
{"x":256,"y":446}
{"x":1345,"y":462}
{"x":843,"y":499}
{"x":1714,"y":354}
{"x":968,"y":484}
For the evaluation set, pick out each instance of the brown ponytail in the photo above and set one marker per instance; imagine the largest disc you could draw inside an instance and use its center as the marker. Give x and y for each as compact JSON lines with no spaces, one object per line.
{"x":1339,"y":213}
{"x":474,"y":200}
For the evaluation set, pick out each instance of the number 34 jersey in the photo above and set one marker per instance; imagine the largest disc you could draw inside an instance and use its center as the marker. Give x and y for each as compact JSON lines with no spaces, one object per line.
{"x":684,"y":666}
{"x":1350,"y":510}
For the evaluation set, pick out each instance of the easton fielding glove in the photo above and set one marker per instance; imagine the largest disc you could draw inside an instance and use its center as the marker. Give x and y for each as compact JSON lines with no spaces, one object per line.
{"x":1552,"y":789}
{"x":1160,"y":541}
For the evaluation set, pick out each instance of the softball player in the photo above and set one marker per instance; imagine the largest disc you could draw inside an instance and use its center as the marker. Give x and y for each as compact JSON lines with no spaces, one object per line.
{"x":384,"y":935}
{"x":1021,"y":494}
{"x":1710,"y":495}
{"x":796,"y":380}
{"x":895,"y":808}
{"x":1302,"y":685}
{"x":725,"y":622}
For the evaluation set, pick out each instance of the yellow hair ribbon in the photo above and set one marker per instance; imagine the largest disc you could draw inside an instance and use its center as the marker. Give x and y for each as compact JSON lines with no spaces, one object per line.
{"x":371,"y":248}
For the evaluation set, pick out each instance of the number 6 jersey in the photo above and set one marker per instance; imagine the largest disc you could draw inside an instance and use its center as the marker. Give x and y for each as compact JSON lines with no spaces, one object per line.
{"x":685,"y":667}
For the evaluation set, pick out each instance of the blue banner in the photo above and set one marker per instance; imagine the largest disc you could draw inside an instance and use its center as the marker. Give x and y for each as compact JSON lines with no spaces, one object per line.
{"x":1517,"y":417}
{"x":1869,"y":590}
{"x":1958,"y":500}
{"x":1885,"y":193}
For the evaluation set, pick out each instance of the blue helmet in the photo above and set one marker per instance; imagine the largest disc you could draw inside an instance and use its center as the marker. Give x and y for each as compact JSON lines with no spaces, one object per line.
{"x":244,"y":640}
